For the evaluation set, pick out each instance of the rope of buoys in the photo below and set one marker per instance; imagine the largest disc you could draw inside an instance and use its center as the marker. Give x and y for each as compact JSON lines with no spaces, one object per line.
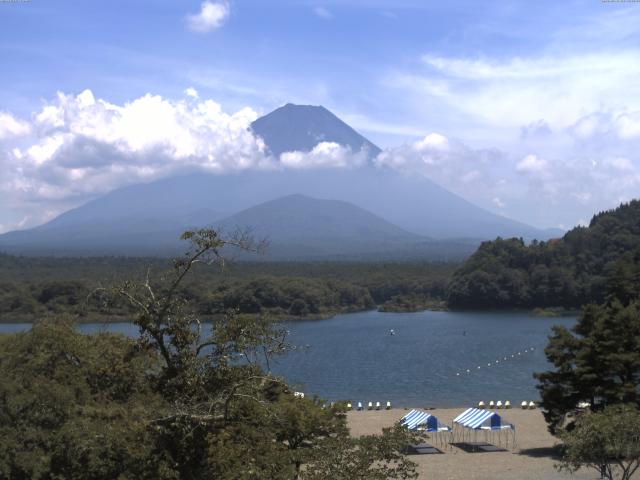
{"x":497,"y":361}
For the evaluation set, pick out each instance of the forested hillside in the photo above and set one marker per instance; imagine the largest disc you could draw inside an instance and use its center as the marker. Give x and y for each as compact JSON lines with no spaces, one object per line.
{"x":34,"y":287}
{"x":566,"y":272}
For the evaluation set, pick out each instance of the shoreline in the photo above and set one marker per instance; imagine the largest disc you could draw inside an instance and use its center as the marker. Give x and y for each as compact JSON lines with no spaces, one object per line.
{"x":535,"y":313}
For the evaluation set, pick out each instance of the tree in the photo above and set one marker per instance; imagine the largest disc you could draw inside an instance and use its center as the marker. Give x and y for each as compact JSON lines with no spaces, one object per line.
{"x":598,"y":362}
{"x":608,"y":441}
{"x":371,"y":457}
{"x":183,"y":401}
{"x":74,"y":406}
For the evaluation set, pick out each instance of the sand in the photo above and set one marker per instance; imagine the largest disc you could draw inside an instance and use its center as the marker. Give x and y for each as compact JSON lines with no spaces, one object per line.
{"x":531,"y":459}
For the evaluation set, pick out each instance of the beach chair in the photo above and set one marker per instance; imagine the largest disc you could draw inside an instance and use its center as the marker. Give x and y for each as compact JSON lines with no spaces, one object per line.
{"x":349,"y":407}
{"x":377,"y":405}
{"x":499,"y":404}
{"x":524,"y":405}
{"x":360,"y":407}
{"x":480,"y":404}
{"x":388,"y":405}
{"x":532,"y":406}
{"x":491,"y":404}
{"x":507,"y":404}
{"x":370,"y":406}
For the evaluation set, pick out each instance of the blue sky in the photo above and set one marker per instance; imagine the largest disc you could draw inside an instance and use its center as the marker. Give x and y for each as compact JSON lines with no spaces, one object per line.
{"x":529,"y":109}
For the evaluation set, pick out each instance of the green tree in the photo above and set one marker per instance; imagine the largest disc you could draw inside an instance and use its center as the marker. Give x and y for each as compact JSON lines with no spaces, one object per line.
{"x":598,"y":362}
{"x":608,"y":441}
{"x":74,"y":406}
{"x":183,"y":401}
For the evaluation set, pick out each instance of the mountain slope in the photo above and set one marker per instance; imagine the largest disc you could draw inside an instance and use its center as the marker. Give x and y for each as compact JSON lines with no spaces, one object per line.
{"x":302,"y":127}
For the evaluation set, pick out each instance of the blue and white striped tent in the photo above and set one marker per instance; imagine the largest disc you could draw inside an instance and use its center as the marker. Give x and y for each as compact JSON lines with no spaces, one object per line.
{"x":416,"y":419}
{"x":477,"y":418}
{"x":474,"y":420}
{"x":423,"y":421}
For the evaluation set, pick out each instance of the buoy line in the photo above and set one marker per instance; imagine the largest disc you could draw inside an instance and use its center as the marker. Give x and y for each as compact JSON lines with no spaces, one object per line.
{"x":505,"y":358}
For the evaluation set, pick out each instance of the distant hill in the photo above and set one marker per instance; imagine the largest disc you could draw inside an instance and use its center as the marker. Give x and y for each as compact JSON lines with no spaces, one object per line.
{"x":299,"y":227}
{"x":147,"y":219}
{"x":566,"y":272}
{"x":313,"y":227}
{"x":302,"y":127}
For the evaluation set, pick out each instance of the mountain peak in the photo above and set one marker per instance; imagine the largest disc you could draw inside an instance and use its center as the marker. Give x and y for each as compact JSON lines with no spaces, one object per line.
{"x":301,"y":127}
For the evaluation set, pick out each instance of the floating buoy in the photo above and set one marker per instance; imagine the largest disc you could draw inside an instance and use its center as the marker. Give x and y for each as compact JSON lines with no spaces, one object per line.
{"x":468,"y":371}
{"x":457,"y":374}
{"x":488,"y":364}
{"x":479,"y":367}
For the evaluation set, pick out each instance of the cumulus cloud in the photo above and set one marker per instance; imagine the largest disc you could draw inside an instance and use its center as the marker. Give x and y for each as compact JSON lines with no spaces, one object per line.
{"x":324,"y":155}
{"x":191,"y":92}
{"x":11,"y":126}
{"x":212,"y":15}
{"x":79,"y":146}
{"x":447,"y":161}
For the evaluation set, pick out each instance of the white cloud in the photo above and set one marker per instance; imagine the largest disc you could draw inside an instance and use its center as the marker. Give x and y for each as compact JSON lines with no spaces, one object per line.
{"x":191,"y":92}
{"x":11,"y":126}
{"x":323,"y":13}
{"x":492,"y":99}
{"x":531,"y":164}
{"x":324,"y":155}
{"x":212,"y":15}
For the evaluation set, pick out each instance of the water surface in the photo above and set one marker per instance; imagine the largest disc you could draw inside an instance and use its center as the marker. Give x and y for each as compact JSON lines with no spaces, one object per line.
{"x":424,"y":363}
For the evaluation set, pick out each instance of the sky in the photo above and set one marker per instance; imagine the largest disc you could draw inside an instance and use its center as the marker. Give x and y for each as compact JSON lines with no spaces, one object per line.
{"x":528,"y":109}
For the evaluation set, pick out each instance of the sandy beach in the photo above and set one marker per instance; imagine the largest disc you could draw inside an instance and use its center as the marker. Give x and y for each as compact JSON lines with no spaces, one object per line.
{"x":531,"y":459}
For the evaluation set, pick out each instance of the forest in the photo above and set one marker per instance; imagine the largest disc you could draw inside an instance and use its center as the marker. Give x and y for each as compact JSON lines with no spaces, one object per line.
{"x":567,"y":272}
{"x":33,"y":287}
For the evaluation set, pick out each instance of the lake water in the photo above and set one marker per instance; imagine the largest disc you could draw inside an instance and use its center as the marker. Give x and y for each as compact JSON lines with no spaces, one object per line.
{"x":424,"y":363}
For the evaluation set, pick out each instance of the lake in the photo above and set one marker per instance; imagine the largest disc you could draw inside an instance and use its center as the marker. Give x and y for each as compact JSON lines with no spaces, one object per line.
{"x":431,"y":360}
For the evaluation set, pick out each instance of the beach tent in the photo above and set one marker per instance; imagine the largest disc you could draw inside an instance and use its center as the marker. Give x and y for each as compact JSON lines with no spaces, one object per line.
{"x":475,"y":421}
{"x":423,"y":421}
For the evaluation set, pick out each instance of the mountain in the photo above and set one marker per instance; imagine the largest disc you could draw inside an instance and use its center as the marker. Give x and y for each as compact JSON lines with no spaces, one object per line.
{"x":582,"y":267}
{"x":148,"y":218}
{"x":301,"y":227}
{"x":302,"y":127}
